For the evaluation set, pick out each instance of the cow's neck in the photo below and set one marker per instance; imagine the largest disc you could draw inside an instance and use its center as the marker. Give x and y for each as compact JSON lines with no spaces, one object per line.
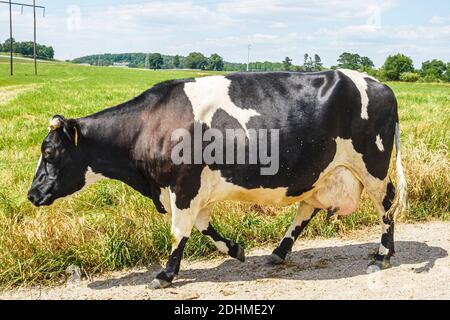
{"x":108,"y":140}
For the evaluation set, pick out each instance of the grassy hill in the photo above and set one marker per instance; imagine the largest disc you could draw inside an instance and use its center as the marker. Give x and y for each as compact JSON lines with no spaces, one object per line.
{"x":109,"y":226}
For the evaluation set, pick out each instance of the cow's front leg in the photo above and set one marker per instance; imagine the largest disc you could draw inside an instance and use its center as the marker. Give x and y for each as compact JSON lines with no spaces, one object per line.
{"x":305,"y":213}
{"x":182,"y":224}
{"x":223,"y":245}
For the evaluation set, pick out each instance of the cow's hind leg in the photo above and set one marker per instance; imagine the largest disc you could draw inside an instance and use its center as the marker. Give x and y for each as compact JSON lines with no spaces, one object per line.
{"x":381,"y":259}
{"x":305,"y":213}
{"x":226,"y":246}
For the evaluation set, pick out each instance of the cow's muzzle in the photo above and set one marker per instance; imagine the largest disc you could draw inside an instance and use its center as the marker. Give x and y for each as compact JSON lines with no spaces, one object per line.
{"x":37,"y":199}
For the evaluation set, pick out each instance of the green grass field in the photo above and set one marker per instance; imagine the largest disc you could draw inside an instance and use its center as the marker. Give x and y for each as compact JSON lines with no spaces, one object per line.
{"x":109,"y":226}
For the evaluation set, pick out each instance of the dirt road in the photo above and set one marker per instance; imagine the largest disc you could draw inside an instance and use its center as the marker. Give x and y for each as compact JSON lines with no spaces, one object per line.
{"x":317,"y":269}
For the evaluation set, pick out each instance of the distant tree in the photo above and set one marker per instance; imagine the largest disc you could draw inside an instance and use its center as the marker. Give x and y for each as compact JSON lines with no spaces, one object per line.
{"x":366,"y":63}
{"x":308,"y":63}
{"x":176,"y":61}
{"x":287,"y":64}
{"x":349,"y":61}
{"x":215,"y":62}
{"x":434,"y":68}
{"x":25,"y":48}
{"x":195,"y":60}
{"x":155,"y":61}
{"x":318,"y":66}
{"x":447,"y":73}
{"x":396,"y":65}
{"x":354,"y":61}
{"x":42,"y":51}
{"x":6,"y":45}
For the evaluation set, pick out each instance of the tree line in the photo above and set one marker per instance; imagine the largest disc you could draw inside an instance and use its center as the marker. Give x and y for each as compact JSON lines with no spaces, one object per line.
{"x":25,"y":48}
{"x":396,"y":67}
{"x":195,"y":60}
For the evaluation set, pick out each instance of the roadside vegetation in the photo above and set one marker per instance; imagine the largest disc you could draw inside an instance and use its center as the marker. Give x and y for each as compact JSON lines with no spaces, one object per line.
{"x":109,"y":226}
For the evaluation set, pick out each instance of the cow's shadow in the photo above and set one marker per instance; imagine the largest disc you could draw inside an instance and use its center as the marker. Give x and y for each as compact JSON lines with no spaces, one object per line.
{"x":307,"y":264}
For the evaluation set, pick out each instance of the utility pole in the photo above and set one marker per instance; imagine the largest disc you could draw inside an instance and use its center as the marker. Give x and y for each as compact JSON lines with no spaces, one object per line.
{"x":10,"y":40}
{"x":147,"y":61}
{"x":10,"y":3}
{"x":34,"y":42}
{"x":249,"y":46}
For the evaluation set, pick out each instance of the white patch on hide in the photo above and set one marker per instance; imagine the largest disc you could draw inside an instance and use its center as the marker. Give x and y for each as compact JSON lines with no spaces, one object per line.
{"x":360,"y":83}
{"x":91,"y":177}
{"x":209,"y":94}
{"x":379,"y":143}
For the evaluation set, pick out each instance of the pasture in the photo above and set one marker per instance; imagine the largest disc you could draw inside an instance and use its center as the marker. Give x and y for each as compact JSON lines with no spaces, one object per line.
{"x":109,"y":226}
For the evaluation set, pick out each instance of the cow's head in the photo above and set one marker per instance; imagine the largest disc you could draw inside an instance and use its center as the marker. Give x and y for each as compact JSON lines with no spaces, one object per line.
{"x":62,"y":166}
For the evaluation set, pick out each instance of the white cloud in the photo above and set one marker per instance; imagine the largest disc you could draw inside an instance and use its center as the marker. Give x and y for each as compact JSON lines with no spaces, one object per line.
{"x":439,"y":20}
{"x":278,"y":25}
{"x":318,"y":9}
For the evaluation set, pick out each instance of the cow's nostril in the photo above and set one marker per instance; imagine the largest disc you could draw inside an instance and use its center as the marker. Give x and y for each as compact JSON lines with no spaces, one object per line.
{"x":30,"y":198}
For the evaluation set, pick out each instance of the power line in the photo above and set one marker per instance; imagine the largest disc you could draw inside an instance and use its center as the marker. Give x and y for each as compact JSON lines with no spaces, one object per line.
{"x":34,"y":6}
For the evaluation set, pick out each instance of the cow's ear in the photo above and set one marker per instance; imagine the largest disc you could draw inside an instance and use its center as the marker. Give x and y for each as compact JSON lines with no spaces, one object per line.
{"x":71,"y":130}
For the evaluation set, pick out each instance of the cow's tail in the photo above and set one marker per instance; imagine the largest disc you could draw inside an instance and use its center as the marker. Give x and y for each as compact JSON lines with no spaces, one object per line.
{"x":401,"y":195}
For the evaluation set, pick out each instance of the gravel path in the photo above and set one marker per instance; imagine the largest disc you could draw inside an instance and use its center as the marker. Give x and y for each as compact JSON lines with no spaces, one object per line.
{"x":317,"y":269}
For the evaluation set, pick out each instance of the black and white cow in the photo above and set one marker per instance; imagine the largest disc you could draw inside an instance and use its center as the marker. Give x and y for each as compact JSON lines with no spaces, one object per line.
{"x":336,"y":135}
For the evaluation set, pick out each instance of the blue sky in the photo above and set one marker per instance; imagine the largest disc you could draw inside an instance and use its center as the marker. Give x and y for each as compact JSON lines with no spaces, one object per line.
{"x":275,"y":28}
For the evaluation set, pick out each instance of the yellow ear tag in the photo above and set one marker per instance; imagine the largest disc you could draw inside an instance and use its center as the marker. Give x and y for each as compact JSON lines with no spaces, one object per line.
{"x":76,"y":136}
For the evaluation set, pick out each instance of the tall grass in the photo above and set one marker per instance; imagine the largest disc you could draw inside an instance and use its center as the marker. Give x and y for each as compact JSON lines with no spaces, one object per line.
{"x":109,"y":226}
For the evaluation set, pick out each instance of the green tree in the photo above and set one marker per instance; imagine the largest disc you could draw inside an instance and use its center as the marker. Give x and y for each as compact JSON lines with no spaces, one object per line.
{"x":318,"y":66}
{"x":176,"y":61}
{"x":46,"y":52}
{"x":366,"y":63}
{"x":396,"y":65}
{"x":349,"y":61}
{"x":155,"y":61}
{"x":195,"y":60}
{"x":447,"y":73}
{"x":6,"y":45}
{"x":25,"y":48}
{"x":354,"y":61}
{"x":287,"y":64}
{"x":433,"y":69}
{"x":215,"y":62}
{"x":308,"y":63}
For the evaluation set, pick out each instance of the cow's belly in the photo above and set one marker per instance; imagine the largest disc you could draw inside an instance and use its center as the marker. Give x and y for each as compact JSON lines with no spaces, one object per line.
{"x":340,"y":191}
{"x":263,"y":196}
{"x":216,"y":188}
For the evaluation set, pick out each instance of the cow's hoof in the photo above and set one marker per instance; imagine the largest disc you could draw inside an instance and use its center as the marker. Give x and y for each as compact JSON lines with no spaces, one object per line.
{"x":379,"y":265}
{"x":275,"y":259}
{"x":240,"y":254}
{"x":159,"y":284}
